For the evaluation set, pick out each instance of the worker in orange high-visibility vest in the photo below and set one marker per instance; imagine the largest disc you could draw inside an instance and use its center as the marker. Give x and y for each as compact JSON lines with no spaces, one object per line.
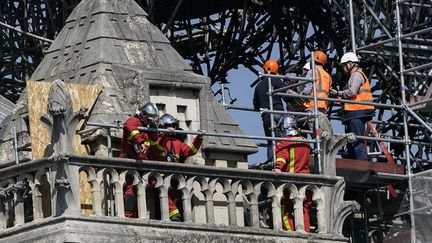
{"x":323,"y":83}
{"x":292,"y":157}
{"x":355,"y":116}
{"x":175,"y":150}
{"x":138,"y":145}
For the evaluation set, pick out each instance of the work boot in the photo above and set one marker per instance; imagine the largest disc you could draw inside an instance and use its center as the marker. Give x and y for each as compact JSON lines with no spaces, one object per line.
{"x":176,"y":218}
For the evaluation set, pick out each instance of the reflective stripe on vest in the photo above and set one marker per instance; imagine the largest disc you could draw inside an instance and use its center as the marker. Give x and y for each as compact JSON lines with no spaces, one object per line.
{"x":193,"y":149}
{"x":322,"y":90}
{"x":285,"y":219}
{"x":364,"y":94}
{"x":281,"y":160}
{"x":150,"y":143}
{"x":132,"y":134}
{"x":292,"y":160}
{"x":173,"y":213}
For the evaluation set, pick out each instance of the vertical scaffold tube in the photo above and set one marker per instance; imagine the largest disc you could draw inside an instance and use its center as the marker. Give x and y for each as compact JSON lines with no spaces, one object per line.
{"x":316,"y":116}
{"x":405,"y":115}
{"x":270,"y":95}
{"x":351,"y":14}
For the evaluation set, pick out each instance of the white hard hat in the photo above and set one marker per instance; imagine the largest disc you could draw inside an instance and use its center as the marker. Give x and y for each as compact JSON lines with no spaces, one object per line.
{"x":307,"y":66}
{"x":349,"y":57}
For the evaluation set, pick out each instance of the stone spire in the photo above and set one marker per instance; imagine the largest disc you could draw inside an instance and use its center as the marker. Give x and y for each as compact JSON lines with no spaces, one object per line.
{"x":112,"y":43}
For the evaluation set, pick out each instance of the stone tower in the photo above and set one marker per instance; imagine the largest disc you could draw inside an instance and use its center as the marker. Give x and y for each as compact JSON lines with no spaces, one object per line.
{"x":111,"y":43}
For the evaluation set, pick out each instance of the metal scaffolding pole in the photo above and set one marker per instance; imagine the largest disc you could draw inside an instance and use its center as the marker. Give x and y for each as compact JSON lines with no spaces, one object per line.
{"x":351,"y":16}
{"x":405,"y":115}
{"x":102,"y":125}
{"x":291,"y":86}
{"x":378,"y":43}
{"x":343,"y":101}
{"x":261,"y":110}
{"x":284,"y":77}
{"x":316,"y":116}
{"x":270,"y":96}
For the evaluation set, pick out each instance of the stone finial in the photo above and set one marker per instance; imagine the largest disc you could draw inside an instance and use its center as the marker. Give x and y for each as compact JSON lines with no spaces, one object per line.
{"x":61,"y":121}
{"x":329,"y":149}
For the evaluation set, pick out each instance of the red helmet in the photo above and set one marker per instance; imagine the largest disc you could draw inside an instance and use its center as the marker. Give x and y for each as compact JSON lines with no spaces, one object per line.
{"x":271,"y":66}
{"x":320,"y":57}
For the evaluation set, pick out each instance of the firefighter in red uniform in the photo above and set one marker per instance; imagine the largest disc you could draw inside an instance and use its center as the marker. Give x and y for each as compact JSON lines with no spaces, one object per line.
{"x":175,"y":150}
{"x":138,"y":145}
{"x":292,"y":157}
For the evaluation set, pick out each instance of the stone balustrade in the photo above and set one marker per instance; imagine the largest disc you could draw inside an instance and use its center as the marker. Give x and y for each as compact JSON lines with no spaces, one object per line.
{"x":49,"y":188}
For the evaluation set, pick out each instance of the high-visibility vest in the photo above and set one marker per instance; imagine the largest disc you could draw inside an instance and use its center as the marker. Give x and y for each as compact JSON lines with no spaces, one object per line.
{"x":323,"y":83}
{"x":364,"y":94}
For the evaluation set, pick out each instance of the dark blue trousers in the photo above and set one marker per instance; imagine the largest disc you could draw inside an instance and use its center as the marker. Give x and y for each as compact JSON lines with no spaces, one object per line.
{"x":357,"y":149}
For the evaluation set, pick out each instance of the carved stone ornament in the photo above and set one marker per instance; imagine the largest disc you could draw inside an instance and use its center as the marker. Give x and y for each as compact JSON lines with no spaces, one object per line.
{"x":61,"y":120}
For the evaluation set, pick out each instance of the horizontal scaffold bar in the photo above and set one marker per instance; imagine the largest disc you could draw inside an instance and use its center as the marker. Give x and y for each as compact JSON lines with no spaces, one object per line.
{"x":378,"y":43}
{"x":341,"y":100}
{"x":285,"y":77}
{"x":203,"y":133}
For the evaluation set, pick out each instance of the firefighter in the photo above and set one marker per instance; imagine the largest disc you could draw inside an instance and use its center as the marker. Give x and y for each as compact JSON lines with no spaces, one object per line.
{"x":175,"y":150}
{"x":355,"y":116}
{"x":292,"y":157}
{"x":138,"y":145}
{"x":261,"y":100}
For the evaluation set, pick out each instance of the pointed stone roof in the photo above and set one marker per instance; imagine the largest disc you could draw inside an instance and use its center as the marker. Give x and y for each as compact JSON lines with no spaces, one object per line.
{"x":111,"y":42}
{"x":5,"y":108}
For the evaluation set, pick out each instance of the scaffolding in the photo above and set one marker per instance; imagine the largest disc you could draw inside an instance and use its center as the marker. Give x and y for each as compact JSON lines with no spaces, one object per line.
{"x":370,"y":26}
{"x":398,"y":38}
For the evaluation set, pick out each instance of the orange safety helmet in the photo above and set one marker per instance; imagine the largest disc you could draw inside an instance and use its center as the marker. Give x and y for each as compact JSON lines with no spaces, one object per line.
{"x":271,"y":66}
{"x":320,"y":57}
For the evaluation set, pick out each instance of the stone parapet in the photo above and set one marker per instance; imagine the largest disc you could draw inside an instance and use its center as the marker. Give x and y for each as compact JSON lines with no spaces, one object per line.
{"x":37,"y":194}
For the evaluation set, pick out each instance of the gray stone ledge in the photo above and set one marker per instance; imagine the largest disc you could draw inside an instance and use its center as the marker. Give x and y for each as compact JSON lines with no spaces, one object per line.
{"x":106,"y":229}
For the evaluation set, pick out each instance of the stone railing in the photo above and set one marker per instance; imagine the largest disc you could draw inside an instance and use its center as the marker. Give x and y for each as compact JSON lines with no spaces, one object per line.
{"x":49,"y":188}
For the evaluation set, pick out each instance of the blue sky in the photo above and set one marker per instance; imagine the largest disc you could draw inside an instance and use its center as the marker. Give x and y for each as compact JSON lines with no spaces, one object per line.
{"x":250,"y":122}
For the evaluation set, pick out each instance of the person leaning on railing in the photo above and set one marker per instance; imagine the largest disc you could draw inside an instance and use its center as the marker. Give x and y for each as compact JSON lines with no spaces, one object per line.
{"x":173,"y":149}
{"x":137,"y":145}
{"x":355,"y":116}
{"x":292,"y":157}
